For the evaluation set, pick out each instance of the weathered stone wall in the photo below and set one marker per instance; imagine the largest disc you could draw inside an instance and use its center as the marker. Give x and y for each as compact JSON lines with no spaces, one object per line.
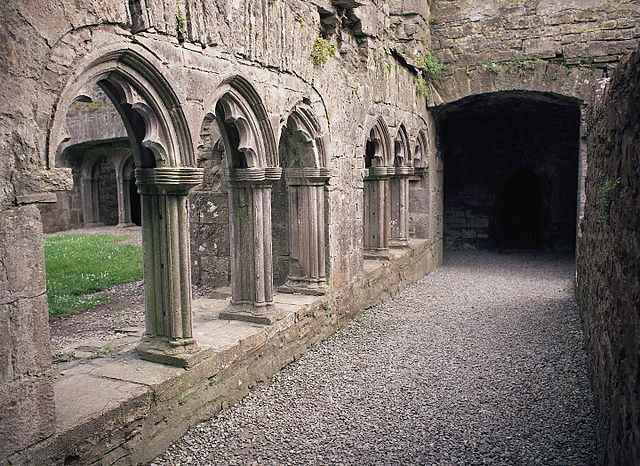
{"x":66,"y":212}
{"x":26,"y":394}
{"x":544,"y":45}
{"x":608,"y":263}
{"x":196,"y":48}
{"x":595,"y":32}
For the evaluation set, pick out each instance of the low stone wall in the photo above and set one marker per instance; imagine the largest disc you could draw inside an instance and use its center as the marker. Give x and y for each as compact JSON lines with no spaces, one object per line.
{"x":130,"y":410}
{"x":608,"y":263}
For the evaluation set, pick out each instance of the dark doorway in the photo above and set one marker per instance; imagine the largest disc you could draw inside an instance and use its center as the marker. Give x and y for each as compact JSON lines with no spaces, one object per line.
{"x":521,"y":211}
{"x":105,"y":191}
{"x":134,"y":202}
{"x":510,"y":171}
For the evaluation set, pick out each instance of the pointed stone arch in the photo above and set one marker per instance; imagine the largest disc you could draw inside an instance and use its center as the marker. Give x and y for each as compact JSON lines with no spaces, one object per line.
{"x":399,"y":187}
{"x":421,"y":153}
{"x":420,"y":196}
{"x":378,"y":170}
{"x":300,"y":223}
{"x":150,"y":109}
{"x":237,"y":104}
{"x":378,"y":146}
{"x":163,"y":154}
{"x":252,"y":168}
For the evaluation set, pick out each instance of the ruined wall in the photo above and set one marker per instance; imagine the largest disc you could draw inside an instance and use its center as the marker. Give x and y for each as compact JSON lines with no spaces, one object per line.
{"x":196,"y":47}
{"x":544,"y":45}
{"x":608,"y":263}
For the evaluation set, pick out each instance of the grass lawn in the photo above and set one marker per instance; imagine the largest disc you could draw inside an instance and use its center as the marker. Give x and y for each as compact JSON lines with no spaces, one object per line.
{"x":80,"y":264}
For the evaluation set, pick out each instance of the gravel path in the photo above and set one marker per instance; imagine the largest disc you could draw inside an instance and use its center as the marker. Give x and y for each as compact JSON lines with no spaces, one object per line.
{"x":480,"y":362}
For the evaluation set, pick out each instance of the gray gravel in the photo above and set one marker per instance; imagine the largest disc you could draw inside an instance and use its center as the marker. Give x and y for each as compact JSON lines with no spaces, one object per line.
{"x":480,"y":362}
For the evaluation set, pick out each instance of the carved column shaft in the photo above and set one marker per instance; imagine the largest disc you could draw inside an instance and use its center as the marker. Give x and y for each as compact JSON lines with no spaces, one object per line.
{"x":400,"y":207}
{"x":377,"y":213}
{"x":251,"y":275}
{"x":85,"y":193}
{"x":250,"y":229}
{"x":306,"y":231}
{"x":167,"y":263}
{"x":124,"y":210}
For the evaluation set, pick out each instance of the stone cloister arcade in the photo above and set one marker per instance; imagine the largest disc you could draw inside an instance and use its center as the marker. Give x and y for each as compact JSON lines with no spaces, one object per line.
{"x":258,"y":174}
{"x":289,"y":161}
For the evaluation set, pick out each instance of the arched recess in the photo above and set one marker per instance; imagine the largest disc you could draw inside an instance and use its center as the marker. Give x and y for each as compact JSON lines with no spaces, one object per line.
{"x":252,"y":168}
{"x":486,"y":137}
{"x":299,"y":214}
{"x":399,"y":185}
{"x":420,"y":188}
{"x":163,"y":154}
{"x":378,"y":160}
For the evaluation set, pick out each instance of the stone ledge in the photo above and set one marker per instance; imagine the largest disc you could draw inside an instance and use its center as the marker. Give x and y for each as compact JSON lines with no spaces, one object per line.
{"x":127,"y":411}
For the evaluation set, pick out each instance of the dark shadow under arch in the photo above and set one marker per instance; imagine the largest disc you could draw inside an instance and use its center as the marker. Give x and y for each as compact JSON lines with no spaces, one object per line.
{"x":521,"y":209}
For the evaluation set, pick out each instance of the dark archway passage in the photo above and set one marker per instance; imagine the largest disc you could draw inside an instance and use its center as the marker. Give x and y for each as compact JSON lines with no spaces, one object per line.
{"x":521,"y":211}
{"x":510,"y":171}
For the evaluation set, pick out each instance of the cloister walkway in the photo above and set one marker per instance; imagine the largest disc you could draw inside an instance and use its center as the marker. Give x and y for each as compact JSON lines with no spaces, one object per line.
{"x":480,"y":362}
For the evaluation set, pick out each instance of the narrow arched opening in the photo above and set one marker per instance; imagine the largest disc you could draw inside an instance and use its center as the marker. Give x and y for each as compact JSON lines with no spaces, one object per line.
{"x":420,"y":190}
{"x":298,"y":210}
{"x":158,"y":141}
{"x":378,"y":163}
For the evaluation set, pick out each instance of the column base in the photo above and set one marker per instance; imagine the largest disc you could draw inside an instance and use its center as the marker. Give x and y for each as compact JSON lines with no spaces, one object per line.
{"x":266,"y":315}
{"x":181,"y":353}
{"x":301,"y":286}
{"x":381,"y":254}
{"x":398,"y":243}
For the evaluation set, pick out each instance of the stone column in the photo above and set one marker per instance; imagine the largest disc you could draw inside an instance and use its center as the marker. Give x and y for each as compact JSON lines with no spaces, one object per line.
{"x":306,"y":231}
{"x":89,"y":200}
{"x":168,"y":336}
{"x":376,"y":213}
{"x":250,"y":231}
{"x":400,"y":207}
{"x":124,"y":211}
{"x":27,"y":411}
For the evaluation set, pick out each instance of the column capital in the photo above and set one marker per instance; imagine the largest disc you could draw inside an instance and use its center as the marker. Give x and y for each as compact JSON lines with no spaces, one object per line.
{"x":420,"y":171}
{"x":168,"y":180}
{"x":402,"y":172}
{"x":254,"y":176}
{"x":307,"y":176}
{"x":378,"y":173}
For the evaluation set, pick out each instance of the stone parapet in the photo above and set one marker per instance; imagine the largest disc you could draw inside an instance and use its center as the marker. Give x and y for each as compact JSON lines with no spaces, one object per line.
{"x":134,"y":404}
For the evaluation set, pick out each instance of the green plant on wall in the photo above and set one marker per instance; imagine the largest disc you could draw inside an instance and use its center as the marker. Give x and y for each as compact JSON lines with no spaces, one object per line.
{"x":93,"y":106}
{"x":386,"y":62}
{"x":607,"y":191}
{"x":181,"y":25}
{"x":322,"y":51}
{"x":422,"y":87}
{"x":430,"y":66}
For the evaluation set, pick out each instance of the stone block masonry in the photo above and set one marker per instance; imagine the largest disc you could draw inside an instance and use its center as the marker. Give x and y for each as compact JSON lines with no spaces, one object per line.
{"x":139,"y":408}
{"x":608,"y":263}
